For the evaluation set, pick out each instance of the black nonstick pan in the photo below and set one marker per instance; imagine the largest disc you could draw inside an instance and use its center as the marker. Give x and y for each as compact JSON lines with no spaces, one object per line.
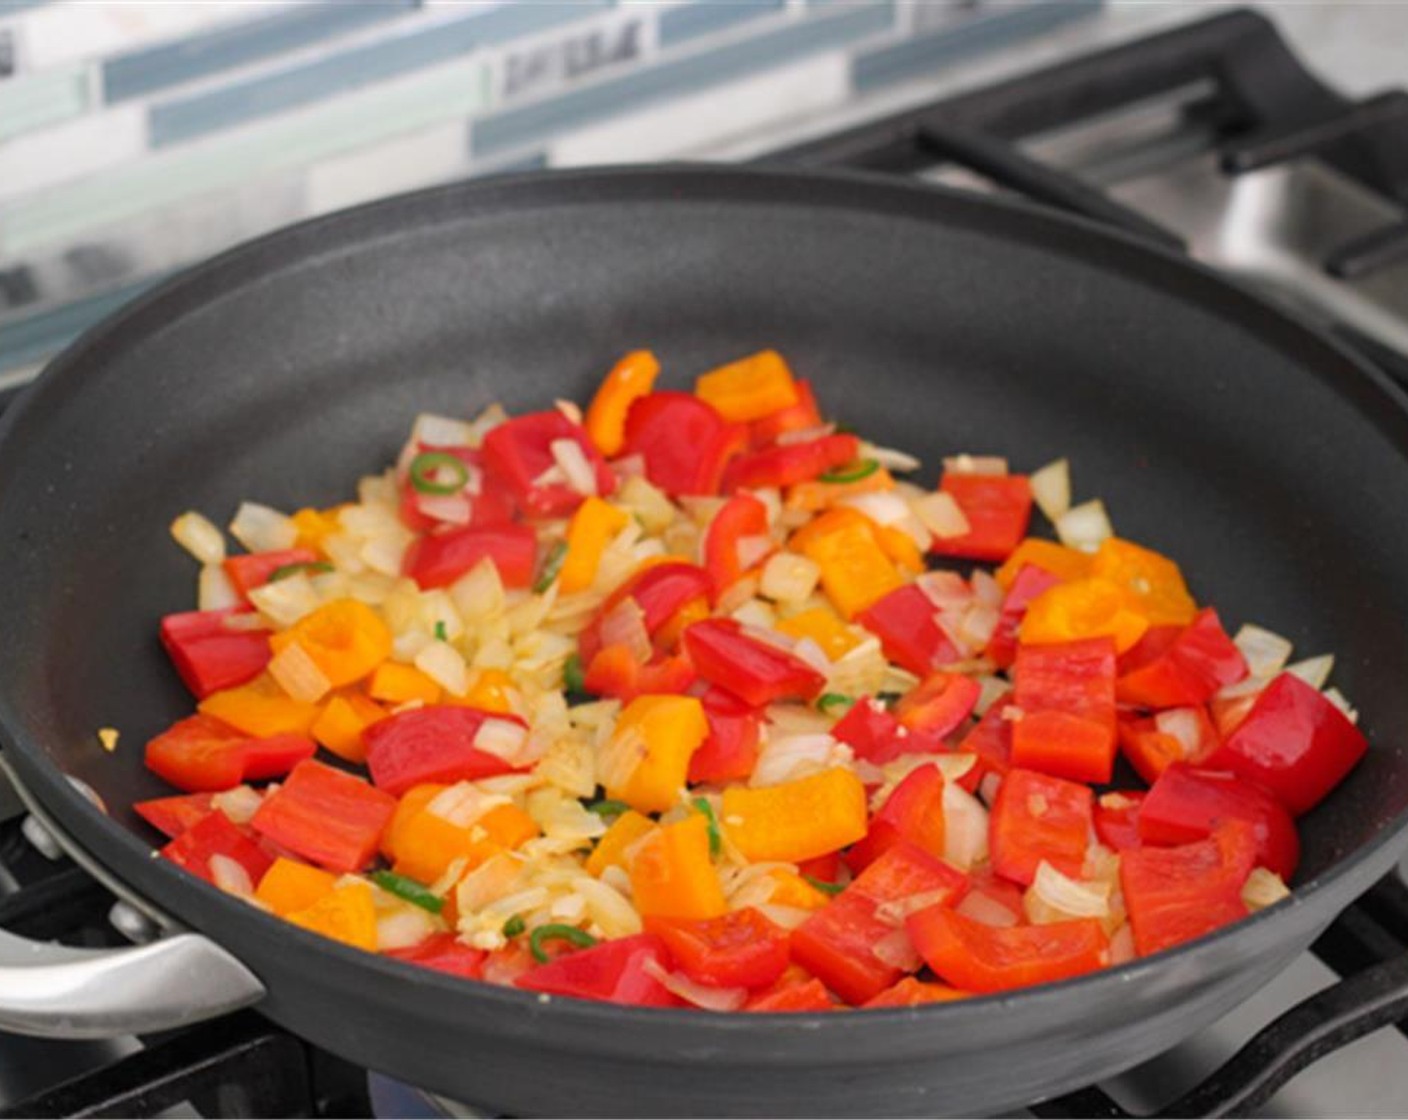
{"x":1270,"y":463}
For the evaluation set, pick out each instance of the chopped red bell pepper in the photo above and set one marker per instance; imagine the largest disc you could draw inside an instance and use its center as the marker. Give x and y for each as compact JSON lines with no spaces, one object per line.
{"x":910,"y":992}
{"x":519,"y":452}
{"x":444,"y":952}
{"x":914,"y":811}
{"x":208,"y":655}
{"x":837,"y":943}
{"x":824,"y":869}
{"x":938,"y":704}
{"x":326,"y":816}
{"x":740,"y":949}
{"x":873,"y":732}
{"x":199,"y":753}
{"x":1117,"y":819}
{"x":1199,"y":661}
{"x":1151,"y":750}
{"x":991,"y":741}
{"x":685,"y":442}
{"x":904,"y":621}
{"x":809,"y":995}
{"x":216,"y":835}
{"x":434,"y":743}
{"x":789,"y":464}
{"x":614,"y":971}
{"x":1030,"y":582}
{"x":742,"y":516}
{"x":661,"y":591}
{"x":253,"y":570}
{"x":1066,"y":691}
{"x":492,"y":505}
{"x":615,"y":672}
{"x":172,"y":816}
{"x":731,"y":750}
{"x":1176,"y":894}
{"x":1294,"y":742}
{"x":438,"y":559}
{"x":1037,"y":817}
{"x":758,"y":673}
{"x":982,"y":958}
{"x":1187,"y":803}
{"x":997,"y":507}
{"x":1064,"y":745}
{"x":798,"y":417}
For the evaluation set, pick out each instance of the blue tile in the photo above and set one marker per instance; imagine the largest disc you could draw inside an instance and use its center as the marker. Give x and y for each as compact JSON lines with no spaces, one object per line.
{"x":10,"y":7}
{"x":39,"y":337}
{"x":960,"y":40}
{"x":187,"y":118}
{"x":141,"y":72}
{"x":705,"y":16}
{"x":533,"y":122}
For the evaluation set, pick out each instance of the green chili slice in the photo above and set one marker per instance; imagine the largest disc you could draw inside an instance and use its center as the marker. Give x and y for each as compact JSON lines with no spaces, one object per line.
{"x":430,"y":467}
{"x":607,"y":807}
{"x":823,"y":886}
{"x":573,"y":678}
{"x":441,"y":634}
{"x":514,"y":926}
{"x":716,"y":839}
{"x":555,"y":932}
{"x":408,"y":889}
{"x":834,"y":700}
{"x":551,"y":566}
{"x":889,"y":699}
{"x":856,"y":471}
{"x":309,"y":566}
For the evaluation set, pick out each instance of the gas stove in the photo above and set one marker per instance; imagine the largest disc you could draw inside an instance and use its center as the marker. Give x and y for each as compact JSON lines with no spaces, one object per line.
{"x":1207,"y":138}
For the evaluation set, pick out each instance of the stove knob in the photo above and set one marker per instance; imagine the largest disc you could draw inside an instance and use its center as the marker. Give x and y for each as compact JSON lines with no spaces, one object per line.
{"x":132,"y":923}
{"x":41,"y":838}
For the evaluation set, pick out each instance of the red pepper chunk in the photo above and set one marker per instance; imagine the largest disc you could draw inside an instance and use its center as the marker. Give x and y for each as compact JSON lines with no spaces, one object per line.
{"x":661,"y":591}
{"x":757,"y":673}
{"x":251,"y":571}
{"x":1031,"y":581}
{"x":1036,"y":817}
{"x":216,"y":835}
{"x":809,"y":995}
{"x":612,"y":972}
{"x":798,"y":417}
{"x":1117,"y":819}
{"x":492,"y":505}
{"x":1187,"y":804}
{"x":982,"y":958}
{"x":685,"y":442}
{"x":444,"y":952}
{"x":788,"y":464}
{"x":431,"y":744}
{"x":991,"y":741}
{"x":997,"y":508}
{"x":199,"y":753}
{"x":172,"y":816}
{"x":1294,"y":742}
{"x":326,"y":816}
{"x":742,"y":516}
{"x":1066,"y":691}
{"x":910,"y":992}
{"x":208,"y":655}
{"x":1151,"y":751}
{"x":1176,"y":894}
{"x":938,"y":704}
{"x":519,"y":452}
{"x":615,"y":672}
{"x":438,"y":559}
{"x":1199,"y":661}
{"x":875,"y":735}
{"x":740,"y":949}
{"x":913,"y":812}
{"x":731,"y":750}
{"x":904,"y":621}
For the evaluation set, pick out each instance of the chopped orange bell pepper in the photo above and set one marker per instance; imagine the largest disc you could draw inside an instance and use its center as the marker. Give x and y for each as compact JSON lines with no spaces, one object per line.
{"x":630,"y":379}
{"x":899,"y":546}
{"x":667,"y":638}
{"x":1154,"y":581}
{"x":821,"y":495}
{"x":493,"y":690}
{"x":592,"y":528}
{"x":345,"y":638}
{"x":340,"y":725}
{"x":672,"y":875}
{"x":750,"y":388}
{"x":821,"y":625}
{"x":790,"y":889}
{"x":260,"y":708}
{"x":1084,"y":608}
{"x":347,"y":915}
{"x":427,"y":844}
{"x":412,"y":802}
{"x":855,"y":571}
{"x":610,"y":850}
{"x":399,"y":684}
{"x":315,"y":526}
{"x":657,"y":734}
{"x":289,"y":886}
{"x":1060,"y":561}
{"x":796,"y":820}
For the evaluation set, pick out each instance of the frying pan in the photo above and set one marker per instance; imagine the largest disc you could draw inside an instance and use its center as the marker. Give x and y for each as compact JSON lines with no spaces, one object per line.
{"x":1263,"y":457}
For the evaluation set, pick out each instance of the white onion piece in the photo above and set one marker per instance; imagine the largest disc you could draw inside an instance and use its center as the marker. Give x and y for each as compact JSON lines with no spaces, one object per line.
{"x":700,"y":995}
{"x":464,"y":803}
{"x":570,"y":409}
{"x":444,"y":664}
{"x":1341,"y":701}
{"x":200,"y":537}
{"x":895,"y":911}
{"x":1051,"y":488}
{"x":239,"y":804}
{"x":1245,"y":688}
{"x":1314,"y":671}
{"x":788,"y":917}
{"x":786,"y":757}
{"x":987,"y":590}
{"x":884,"y":507}
{"x":287,"y":600}
{"x":805,"y":435}
{"x":813,"y":655}
{"x":992,"y":465}
{"x":988,"y":787}
{"x":751,"y":550}
{"x":788,"y":577}
{"x":1263,"y":888}
{"x":262,"y":529}
{"x":441,"y":431}
{"x":945,"y":589}
{"x":403,"y":927}
{"x":897,"y":950}
{"x":1122,"y":945}
{"x":618,"y":757}
{"x":1266,"y":653}
{"x":214,"y":591}
{"x":486,"y":422}
{"x":1085,"y":527}
{"x":576,"y":468}
{"x":940,"y":513}
{"x":1067,"y":897}
{"x":502,"y":738}
{"x":229,"y":875}
{"x":992,"y":689}
{"x":298,"y":674}
{"x":889,"y":458}
{"x":965,"y":827}
{"x":453,"y":509}
{"x":978,"y":625}
{"x":624,"y":625}
{"x":1183,"y":725}
{"x":985,"y":909}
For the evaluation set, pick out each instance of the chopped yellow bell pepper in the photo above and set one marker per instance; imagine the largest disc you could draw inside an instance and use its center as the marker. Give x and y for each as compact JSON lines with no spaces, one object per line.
{"x":316,"y":525}
{"x":630,"y":379}
{"x":347,"y":915}
{"x":592,"y":528}
{"x":395,"y":683}
{"x":1060,"y":561}
{"x":260,"y":708}
{"x":289,"y":886}
{"x":427,"y":844}
{"x":610,"y":850}
{"x":1084,"y":608}
{"x":1154,"y":581}
{"x":796,"y":820}
{"x":821,"y":625}
{"x":855,"y":571}
{"x":650,"y":750}
{"x":672,"y":875}
{"x":345,"y":638}
{"x":340,"y":725}
{"x":750,"y":388}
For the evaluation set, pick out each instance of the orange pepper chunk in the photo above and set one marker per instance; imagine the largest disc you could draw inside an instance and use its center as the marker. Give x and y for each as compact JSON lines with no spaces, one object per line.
{"x":345,"y":638}
{"x":347,"y":915}
{"x":667,"y":638}
{"x":750,"y":388}
{"x":342,"y":721}
{"x":855,"y":570}
{"x":815,"y":495}
{"x":427,"y":844}
{"x":1154,"y":582}
{"x":796,"y":820}
{"x":1084,"y":608}
{"x":899,"y":546}
{"x":412,"y":802}
{"x":260,"y":708}
{"x":289,"y":886}
{"x":315,"y":526}
{"x":790,"y":889}
{"x":610,"y":850}
{"x":822,"y":626}
{"x":1060,"y":561}
{"x":630,"y":379}
{"x":592,"y":528}
{"x":652,"y":743}
{"x":399,"y":684}
{"x":493,"y":690}
{"x":672,"y":875}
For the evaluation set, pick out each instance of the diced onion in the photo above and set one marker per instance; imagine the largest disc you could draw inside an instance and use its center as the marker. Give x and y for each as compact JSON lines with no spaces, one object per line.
{"x":986,"y":909}
{"x":501,"y":738}
{"x":239,"y":804}
{"x":941,"y":514}
{"x":624,"y":625}
{"x":230,"y":875}
{"x":1263,"y":888}
{"x":896,"y":910}
{"x":214,"y":591}
{"x":479,"y":593}
{"x":992,"y":689}
{"x":464,"y":803}
{"x":813,"y":655}
{"x":751,"y":550}
{"x":755,"y":614}
{"x":786,"y":757}
{"x":1341,"y":701}
{"x":788,"y":917}
{"x":1065,"y":898}
{"x":1085,"y":527}
{"x":453,"y":509}
{"x":298,"y":674}
{"x":890,"y":458}
{"x":287,"y":600}
{"x":897,"y":950}
{"x":619,"y":756}
{"x":262,"y":529}
{"x":1051,"y":488}
{"x":978,"y":625}
{"x":884,"y":507}
{"x":1122,"y":945}
{"x":403,"y":927}
{"x":443,"y":664}
{"x":1314,"y":671}
{"x":965,"y":827}
{"x":570,"y":409}
{"x":1183,"y":725}
{"x":441,"y":431}
{"x":805,"y":435}
{"x":945,"y":589}
{"x":993,"y":465}
{"x":1266,"y":653}
{"x":486,"y":422}
{"x":200,"y":537}
{"x":700,"y":995}
{"x":580,"y":474}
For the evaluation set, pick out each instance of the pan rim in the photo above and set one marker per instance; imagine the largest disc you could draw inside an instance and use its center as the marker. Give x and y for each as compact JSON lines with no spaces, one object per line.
{"x":1018,"y":221}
